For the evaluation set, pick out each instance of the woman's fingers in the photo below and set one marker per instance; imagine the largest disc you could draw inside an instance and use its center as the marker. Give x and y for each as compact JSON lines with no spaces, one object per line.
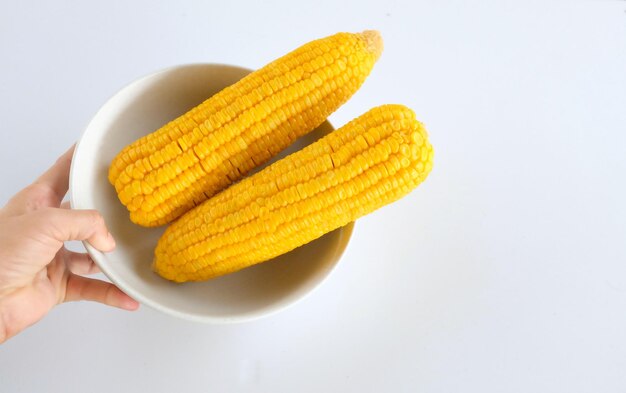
{"x":83,"y":288}
{"x":57,"y":177}
{"x":64,"y":225}
{"x":47,"y":191}
{"x":80,"y":263}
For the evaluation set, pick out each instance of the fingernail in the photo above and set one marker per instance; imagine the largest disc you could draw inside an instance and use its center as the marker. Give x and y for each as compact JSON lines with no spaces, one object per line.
{"x":111,"y":240}
{"x":130,"y":304}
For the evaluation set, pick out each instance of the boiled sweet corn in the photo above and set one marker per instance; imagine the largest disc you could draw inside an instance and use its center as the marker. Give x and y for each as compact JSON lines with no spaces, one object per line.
{"x":370,"y":162}
{"x":164,"y":174}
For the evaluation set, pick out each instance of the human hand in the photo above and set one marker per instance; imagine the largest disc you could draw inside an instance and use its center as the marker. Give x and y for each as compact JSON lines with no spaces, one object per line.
{"x":36,"y":271}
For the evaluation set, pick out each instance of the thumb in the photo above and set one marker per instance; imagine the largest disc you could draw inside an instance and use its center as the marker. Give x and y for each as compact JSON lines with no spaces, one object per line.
{"x":65,"y":225}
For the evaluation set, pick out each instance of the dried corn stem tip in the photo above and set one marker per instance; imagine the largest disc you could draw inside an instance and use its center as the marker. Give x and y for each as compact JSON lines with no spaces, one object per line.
{"x":374,"y":41}
{"x":168,"y":172}
{"x":370,"y":162}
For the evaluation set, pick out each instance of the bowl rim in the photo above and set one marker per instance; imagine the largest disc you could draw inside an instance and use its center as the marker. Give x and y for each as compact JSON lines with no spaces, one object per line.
{"x":99,"y":256}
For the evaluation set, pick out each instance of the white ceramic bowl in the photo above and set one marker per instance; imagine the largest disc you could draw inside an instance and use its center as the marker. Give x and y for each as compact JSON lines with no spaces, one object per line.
{"x":136,"y":110}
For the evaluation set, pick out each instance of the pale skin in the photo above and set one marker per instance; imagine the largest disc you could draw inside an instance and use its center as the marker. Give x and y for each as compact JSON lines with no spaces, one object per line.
{"x":36,"y":271}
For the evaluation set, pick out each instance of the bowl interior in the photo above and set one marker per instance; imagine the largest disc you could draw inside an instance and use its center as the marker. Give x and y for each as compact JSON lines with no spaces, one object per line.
{"x":137,"y":110}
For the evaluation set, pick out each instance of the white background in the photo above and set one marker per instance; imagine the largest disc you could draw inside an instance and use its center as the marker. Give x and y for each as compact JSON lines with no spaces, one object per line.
{"x":504,"y":272}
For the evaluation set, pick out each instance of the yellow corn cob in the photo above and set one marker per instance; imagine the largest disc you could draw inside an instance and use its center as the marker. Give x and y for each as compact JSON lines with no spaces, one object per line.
{"x":166,"y":173}
{"x":370,"y":162}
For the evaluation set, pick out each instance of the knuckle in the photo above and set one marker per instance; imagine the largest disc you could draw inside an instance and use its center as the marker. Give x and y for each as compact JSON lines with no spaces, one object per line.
{"x":109,"y":297}
{"x":46,"y":212}
{"x":96,"y":218}
{"x":35,"y":189}
{"x":37,"y":196}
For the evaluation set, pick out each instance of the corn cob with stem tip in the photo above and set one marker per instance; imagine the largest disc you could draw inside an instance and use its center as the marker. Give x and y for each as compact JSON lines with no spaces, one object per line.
{"x":164,"y":174}
{"x":370,"y":162}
